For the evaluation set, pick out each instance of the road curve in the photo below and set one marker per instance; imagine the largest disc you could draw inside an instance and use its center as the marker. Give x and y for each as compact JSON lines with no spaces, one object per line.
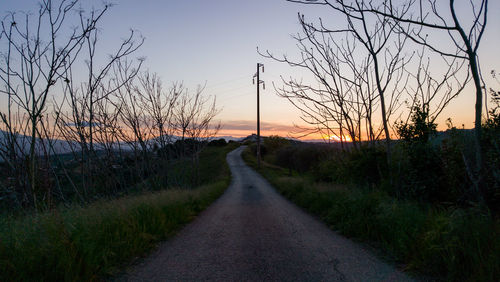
{"x":251,"y":233}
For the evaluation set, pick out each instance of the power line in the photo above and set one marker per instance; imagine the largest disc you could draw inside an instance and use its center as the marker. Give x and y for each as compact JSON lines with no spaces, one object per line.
{"x":226,"y":81}
{"x":237,"y":96}
{"x":229,"y":90}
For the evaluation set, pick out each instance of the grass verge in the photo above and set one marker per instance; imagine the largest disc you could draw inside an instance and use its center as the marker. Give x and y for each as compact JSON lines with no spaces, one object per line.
{"x":89,"y":243}
{"x":450,"y":244}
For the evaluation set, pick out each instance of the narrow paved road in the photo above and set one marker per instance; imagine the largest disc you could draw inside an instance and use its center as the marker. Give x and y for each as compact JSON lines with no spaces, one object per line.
{"x":252,"y":233}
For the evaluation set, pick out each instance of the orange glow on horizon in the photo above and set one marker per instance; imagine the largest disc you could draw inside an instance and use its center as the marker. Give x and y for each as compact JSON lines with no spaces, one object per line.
{"x":286,"y":134}
{"x":336,"y":138}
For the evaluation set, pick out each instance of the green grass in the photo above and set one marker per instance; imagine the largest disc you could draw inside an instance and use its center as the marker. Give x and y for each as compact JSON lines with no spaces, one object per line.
{"x":450,"y":244}
{"x":92,"y":242}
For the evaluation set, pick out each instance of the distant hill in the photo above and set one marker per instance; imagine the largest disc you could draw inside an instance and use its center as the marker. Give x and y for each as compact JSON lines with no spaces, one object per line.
{"x":23,"y":144}
{"x":64,"y":147}
{"x":253,"y":138}
{"x":227,"y":138}
{"x":439,"y":137}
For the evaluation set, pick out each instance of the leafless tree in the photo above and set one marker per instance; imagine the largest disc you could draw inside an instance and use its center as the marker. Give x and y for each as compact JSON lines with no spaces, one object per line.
{"x":46,"y":107}
{"x":137,"y":125}
{"x":427,"y":23}
{"x":332,"y":107}
{"x":193,"y":119}
{"x":430,"y":21}
{"x":432,"y":95}
{"x":357,"y":81}
{"x":159,"y":104}
{"x":37,"y":49}
{"x":91,"y":111}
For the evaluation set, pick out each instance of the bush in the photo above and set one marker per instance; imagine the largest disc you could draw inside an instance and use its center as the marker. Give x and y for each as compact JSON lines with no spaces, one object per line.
{"x":307,"y":157}
{"x":419,"y":163}
{"x":455,"y":180}
{"x":329,"y":170}
{"x":253,"y":149}
{"x":447,"y":244}
{"x":218,"y":143}
{"x":368,"y":165}
{"x":285,"y":157}
{"x":419,"y":173}
{"x":88,"y":243}
{"x":274,"y":142}
{"x":421,"y":129}
{"x":491,"y":148}
{"x":300,"y":157}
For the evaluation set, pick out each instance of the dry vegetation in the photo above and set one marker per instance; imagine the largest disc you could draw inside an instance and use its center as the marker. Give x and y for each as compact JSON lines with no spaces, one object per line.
{"x":429,"y":220}
{"x":75,"y":127}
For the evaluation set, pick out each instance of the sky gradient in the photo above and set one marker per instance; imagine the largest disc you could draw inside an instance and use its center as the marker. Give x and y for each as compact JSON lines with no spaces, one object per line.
{"x":214,"y":43}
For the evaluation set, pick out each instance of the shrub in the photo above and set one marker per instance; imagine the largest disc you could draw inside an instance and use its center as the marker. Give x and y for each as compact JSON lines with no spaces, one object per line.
{"x":420,"y":173}
{"x":308,"y":157}
{"x":330,"y":170}
{"x":218,"y":143}
{"x":491,"y":148}
{"x":418,"y":166}
{"x":87,"y":243}
{"x":367,"y":165}
{"x":300,"y":157}
{"x":263,"y":149}
{"x":420,"y":129}
{"x":452,"y":162}
{"x":285,"y":157}
{"x":275,"y":142}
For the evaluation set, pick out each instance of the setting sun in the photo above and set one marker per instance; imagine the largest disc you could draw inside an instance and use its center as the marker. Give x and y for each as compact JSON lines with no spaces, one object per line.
{"x":336,"y":138}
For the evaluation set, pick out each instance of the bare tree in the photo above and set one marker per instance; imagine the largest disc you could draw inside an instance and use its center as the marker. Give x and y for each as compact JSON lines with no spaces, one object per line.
{"x":432,"y":95}
{"x":46,"y":106}
{"x":464,"y":34}
{"x":137,"y":125}
{"x":378,"y":77}
{"x":159,"y":104}
{"x":37,"y":51}
{"x":335,"y":108}
{"x":193,"y":120}
{"x":89,"y":99}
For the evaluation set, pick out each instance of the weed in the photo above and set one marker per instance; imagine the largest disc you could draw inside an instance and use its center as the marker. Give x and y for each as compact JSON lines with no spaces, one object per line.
{"x":452,"y":244}
{"x":87,"y":243}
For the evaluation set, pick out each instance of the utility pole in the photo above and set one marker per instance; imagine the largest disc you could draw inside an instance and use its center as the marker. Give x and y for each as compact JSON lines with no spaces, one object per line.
{"x":259,"y":65}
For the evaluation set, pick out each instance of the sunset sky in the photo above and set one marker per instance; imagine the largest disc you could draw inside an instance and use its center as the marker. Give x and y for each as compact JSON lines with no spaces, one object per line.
{"x":214,"y":42}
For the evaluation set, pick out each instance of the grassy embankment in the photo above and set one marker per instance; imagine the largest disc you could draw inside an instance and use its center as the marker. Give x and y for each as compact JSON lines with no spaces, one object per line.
{"x":89,"y":243}
{"x":455,"y":244}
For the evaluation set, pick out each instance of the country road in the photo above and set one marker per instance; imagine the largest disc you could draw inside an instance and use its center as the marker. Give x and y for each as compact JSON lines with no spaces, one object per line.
{"x":251,"y":233}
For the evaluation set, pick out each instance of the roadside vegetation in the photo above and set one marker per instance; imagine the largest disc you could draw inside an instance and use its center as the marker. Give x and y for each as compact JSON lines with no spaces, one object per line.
{"x":99,"y":159}
{"x":94,"y":241}
{"x":75,"y":127}
{"x":428,"y":219}
{"x":373,"y":86}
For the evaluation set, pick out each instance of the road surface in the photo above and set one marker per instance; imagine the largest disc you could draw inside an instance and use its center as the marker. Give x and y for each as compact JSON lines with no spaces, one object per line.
{"x":251,"y":233}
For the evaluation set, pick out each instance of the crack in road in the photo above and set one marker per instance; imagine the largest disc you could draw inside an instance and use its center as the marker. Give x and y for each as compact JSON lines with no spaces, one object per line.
{"x":251,"y":233}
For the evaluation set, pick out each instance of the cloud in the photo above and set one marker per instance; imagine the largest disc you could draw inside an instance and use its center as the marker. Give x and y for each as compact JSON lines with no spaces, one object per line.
{"x":243,"y":128}
{"x":252,"y":126}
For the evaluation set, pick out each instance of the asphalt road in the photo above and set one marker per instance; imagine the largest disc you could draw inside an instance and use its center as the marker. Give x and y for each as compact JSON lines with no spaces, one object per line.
{"x":252,"y":233}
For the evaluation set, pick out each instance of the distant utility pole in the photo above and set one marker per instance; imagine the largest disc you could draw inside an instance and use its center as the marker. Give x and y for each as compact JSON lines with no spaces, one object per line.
{"x":259,"y":65}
